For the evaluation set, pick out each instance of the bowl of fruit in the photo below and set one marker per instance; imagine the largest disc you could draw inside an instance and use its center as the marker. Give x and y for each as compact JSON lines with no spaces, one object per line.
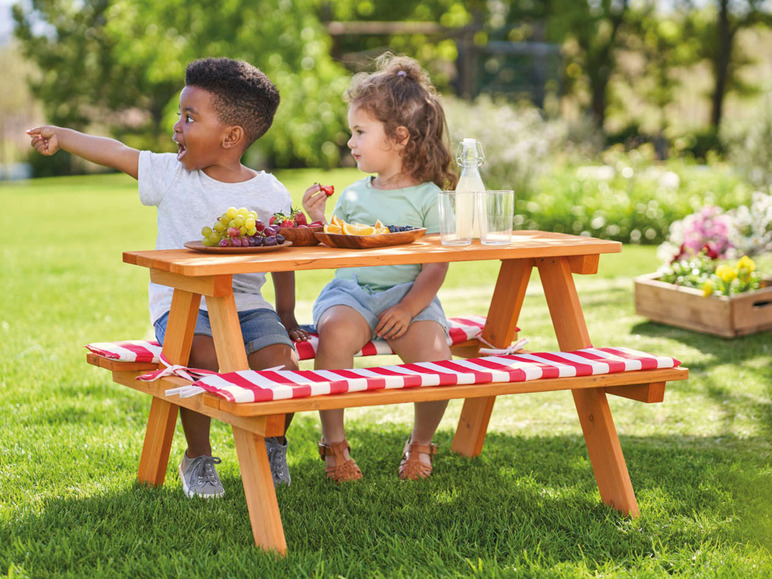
{"x":339,"y":233}
{"x":296,"y":228}
{"x":239,"y":231}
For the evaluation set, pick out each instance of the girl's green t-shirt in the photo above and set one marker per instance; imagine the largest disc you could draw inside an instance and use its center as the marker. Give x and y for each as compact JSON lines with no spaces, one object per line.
{"x":362,"y":203}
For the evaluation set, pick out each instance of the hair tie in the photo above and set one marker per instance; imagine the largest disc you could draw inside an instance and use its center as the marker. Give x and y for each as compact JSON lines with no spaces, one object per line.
{"x":401,"y":73}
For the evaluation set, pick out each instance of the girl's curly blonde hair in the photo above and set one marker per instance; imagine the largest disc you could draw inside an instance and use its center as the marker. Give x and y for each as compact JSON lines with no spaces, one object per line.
{"x":400,"y":94}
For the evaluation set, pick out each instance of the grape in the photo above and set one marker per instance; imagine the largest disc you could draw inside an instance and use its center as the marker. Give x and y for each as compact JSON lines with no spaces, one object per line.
{"x":239,"y":220}
{"x":270,"y":240}
{"x":232,"y":212}
{"x":251,"y":231}
{"x":206,"y":231}
{"x":259,"y":239}
{"x":259,"y":225}
{"x":279,"y":239}
{"x":224,"y":243}
{"x":243,"y":211}
{"x":236,"y":242}
{"x":233,"y":232}
{"x":271,"y":230}
{"x":215,"y":238}
{"x":224,"y":219}
{"x":219,"y":227}
{"x":249,"y":222}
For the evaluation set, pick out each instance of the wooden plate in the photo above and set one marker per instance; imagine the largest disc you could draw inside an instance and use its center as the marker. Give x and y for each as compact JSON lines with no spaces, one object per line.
{"x":368,"y":241}
{"x":301,"y":237}
{"x":199,"y":246}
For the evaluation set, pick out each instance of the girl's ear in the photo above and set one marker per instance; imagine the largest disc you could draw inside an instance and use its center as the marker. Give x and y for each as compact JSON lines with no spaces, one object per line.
{"x":401,"y":137}
{"x":234,"y":137}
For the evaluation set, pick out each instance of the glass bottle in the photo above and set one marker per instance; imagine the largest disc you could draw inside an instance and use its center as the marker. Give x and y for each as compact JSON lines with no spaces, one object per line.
{"x":470,"y":157}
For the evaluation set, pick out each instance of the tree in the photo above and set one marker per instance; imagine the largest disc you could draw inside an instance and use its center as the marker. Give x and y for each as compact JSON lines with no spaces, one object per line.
{"x":590,"y":32}
{"x":719,"y":34}
{"x":106,"y":60}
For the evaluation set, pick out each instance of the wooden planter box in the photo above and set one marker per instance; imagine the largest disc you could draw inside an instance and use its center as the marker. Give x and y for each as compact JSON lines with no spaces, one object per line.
{"x":687,"y":308}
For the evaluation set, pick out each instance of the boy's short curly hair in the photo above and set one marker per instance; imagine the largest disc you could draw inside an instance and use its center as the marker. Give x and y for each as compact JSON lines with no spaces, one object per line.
{"x":243,"y":95}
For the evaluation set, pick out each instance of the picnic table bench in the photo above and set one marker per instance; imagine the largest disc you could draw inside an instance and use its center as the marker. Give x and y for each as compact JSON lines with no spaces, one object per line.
{"x":257,"y":409}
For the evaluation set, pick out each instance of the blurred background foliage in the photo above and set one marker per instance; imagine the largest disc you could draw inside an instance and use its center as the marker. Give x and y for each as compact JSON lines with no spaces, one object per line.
{"x":567,"y":96}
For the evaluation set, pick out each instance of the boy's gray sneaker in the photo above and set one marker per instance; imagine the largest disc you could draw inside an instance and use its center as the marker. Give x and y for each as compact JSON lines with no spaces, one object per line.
{"x":277,"y":457}
{"x":199,"y":477}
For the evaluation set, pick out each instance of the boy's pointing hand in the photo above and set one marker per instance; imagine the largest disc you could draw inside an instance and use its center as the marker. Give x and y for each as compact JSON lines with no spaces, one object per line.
{"x":44,"y":140}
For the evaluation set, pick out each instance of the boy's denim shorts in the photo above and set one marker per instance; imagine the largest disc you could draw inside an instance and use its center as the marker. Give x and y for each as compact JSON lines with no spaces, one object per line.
{"x":260,"y":328}
{"x":369,"y":303}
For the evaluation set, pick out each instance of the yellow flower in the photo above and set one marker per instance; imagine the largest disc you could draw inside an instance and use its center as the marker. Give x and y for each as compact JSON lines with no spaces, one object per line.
{"x":707,"y":288}
{"x":746,"y":263}
{"x":726,"y":273}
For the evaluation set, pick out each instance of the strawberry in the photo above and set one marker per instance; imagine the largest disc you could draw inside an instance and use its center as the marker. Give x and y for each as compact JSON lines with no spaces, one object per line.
{"x":328,"y":189}
{"x":317,"y":223}
{"x":299,"y":217}
{"x":287,"y":223}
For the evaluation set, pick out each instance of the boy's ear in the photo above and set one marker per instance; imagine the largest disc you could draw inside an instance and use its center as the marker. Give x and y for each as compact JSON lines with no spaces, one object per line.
{"x":234,"y":137}
{"x":401,"y":137}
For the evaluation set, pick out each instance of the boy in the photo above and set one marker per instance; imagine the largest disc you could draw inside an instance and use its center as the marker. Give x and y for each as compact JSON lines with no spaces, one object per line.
{"x":224,"y":107}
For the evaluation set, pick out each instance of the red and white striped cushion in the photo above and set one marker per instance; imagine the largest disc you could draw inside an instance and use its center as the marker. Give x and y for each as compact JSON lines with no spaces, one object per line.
{"x":461,"y":330}
{"x":266,"y":385}
{"x":128,"y":351}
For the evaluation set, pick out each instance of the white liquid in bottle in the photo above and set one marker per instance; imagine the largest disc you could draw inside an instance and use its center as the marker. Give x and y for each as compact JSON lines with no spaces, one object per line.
{"x":470,"y":156}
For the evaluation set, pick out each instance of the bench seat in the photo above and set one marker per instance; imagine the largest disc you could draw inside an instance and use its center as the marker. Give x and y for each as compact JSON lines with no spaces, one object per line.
{"x":146,"y":354}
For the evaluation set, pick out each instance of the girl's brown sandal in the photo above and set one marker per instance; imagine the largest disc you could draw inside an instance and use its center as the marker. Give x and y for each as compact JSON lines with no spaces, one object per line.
{"x":344,"y":469}
{"x":411,"y":466}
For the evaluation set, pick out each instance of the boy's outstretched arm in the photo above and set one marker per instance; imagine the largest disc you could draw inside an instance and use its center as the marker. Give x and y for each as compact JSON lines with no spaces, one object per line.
{"x":48,"y":139}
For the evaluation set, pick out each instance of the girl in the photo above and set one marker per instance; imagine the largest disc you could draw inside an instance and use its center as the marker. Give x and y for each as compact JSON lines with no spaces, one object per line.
{"x":398,"y":133}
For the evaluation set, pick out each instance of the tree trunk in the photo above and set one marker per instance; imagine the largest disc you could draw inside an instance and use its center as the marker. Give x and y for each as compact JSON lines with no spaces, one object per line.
{"x":723,"y":57}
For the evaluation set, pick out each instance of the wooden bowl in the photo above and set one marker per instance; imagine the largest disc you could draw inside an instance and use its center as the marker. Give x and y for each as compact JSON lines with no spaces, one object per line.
{"x":369,"y":241}
{"x":301,"y":237}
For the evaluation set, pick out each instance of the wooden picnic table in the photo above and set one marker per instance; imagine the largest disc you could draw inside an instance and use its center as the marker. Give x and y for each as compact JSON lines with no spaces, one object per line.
{"x":556,"y":257}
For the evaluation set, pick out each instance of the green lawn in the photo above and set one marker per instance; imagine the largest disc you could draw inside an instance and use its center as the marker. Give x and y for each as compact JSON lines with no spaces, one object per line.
{"x":70,"y":505}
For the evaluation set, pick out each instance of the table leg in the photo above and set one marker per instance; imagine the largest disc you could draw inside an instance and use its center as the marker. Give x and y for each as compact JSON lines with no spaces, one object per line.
{"x":500,"y":328}
{"x":159,"y":433}
{"x":600,"y":434}
{"x":226,"y":330}
{"x":259,"y":492}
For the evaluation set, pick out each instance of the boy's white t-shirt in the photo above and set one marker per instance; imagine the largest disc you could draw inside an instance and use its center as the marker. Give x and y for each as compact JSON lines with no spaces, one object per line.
{"x":189,"y":200}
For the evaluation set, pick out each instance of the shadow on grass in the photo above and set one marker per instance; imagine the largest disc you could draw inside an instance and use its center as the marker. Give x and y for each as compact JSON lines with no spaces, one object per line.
{"x":749,"y":354}
{"x":525,"y":503}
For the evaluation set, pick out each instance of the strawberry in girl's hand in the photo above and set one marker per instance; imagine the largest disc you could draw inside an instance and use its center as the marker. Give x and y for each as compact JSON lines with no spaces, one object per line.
{"x":326,"y":189}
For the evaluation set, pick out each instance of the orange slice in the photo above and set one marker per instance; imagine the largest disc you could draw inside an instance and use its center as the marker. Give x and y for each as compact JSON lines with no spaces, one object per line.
{"x":330,"y":228}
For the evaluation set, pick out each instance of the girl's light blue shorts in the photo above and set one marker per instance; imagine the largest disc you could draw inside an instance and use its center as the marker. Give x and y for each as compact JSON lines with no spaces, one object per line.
{"x":369,"y":303}
{"x":260,"y":328}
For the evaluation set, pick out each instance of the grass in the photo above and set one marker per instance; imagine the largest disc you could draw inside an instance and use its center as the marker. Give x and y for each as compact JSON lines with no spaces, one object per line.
{"x":70,"y":504}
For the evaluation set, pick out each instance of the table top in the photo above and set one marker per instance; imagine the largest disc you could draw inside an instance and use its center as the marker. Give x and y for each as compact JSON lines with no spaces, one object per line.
{"x":428,"y":249}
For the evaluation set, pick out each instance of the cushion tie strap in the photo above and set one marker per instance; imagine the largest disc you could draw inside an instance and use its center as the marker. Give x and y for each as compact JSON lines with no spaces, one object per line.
{"x":508,"y":351}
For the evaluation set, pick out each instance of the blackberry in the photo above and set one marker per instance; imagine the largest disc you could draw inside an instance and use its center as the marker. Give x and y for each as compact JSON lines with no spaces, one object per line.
{"x":399,"y":228}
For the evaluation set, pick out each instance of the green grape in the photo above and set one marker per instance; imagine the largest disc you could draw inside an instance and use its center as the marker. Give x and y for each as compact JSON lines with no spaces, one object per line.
{"x":207,"y":242}
{"x":206,"y":231}
{"x":224,"y":219}
{"x":215,"y":238}
{"x":249,"y":222}
{"x":243,"y":211}
{"x":239,"y":220}
{"x":251,"y":231}
{"x":253,"y":215}
{"x":232,"y":212}
{"x":219,"y":227}
{"x":232,"y":223}
{"x":243,"y":230}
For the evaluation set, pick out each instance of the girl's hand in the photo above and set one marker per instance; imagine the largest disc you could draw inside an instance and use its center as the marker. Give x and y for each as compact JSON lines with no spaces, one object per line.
{"x":393,"y":323}
{"x":298,"y":334}
{"x":314,"y":203}
{"x":44,"y":140}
